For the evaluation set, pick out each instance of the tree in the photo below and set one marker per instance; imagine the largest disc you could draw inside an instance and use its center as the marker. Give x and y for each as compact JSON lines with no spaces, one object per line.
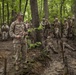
{"x":3,"y":11}
{"x":7,"y":13}
{"x":46,"y":11}
{"x":20,"y":1}
{"x":0,"y":16}
{"x":35,"y":18}
{"x":25,"y":8}
{"x":61,"y":15}
{"x":13,"y":11}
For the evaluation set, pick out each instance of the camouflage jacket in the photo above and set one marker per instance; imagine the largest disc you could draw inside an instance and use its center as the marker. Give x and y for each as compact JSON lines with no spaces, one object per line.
{"x":17,"y":28}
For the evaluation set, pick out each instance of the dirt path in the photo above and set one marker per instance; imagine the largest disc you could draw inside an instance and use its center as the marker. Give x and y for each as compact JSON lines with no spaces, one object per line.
{"x":5,"y":51}
{"x":55,"y":67}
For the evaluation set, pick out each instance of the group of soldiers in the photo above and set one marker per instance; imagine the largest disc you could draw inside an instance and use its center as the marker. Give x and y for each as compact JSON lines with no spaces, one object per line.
{"x":4,"y":32}
{"x":18,"y":31}
{"x":54,"y":34}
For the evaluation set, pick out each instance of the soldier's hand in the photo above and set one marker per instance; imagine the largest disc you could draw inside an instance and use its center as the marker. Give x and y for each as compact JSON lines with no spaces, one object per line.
{"x":25,"y":33}
{"x":18,"y":37}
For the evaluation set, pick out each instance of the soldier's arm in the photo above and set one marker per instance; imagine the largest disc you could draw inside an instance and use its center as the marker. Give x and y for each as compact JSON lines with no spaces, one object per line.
{"x":11,"y":31}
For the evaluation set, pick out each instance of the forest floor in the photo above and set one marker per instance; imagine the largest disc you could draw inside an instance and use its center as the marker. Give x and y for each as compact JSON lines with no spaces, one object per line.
{"x":39,"y":61}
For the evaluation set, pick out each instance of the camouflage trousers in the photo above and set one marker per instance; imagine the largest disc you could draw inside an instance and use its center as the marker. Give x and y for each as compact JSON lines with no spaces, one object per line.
{"x":19,"y":54}
{"x":4,"y":35}
{"x":67,"y":45}
{"x":50,"y":46}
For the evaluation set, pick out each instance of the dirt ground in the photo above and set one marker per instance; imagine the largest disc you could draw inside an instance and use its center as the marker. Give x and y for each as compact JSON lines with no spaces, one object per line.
{"x":39,"y":62}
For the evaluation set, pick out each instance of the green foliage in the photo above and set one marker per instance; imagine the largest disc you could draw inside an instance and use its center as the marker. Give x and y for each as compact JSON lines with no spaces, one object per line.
{"x":37,"y":44}
{"x":54,"y":9}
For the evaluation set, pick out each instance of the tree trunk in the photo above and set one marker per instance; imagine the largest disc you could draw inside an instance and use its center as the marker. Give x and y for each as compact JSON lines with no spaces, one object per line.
{"x":20,"y":5}
{"x":3,"y":11}
{"x":74,"y":11}
{"x":46,"y":10}
{"x":7,"y":13}
{"x":25,"y":9}
{"x":41,"y":9}
{"x":13,"y":11}
{"x":0,"y":16}
{"x":61,"y":15}
{"x":35,"y":18}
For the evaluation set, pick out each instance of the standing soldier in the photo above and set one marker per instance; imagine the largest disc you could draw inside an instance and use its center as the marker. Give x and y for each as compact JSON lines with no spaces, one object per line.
{"x":65,"y":28}
{"x":27,"y":25}
{"x":47,"y":27}
{"x":5,"y":31}
{"x":57,"y":30}
{"x":18,"y":33}
{"x":43,"y":23}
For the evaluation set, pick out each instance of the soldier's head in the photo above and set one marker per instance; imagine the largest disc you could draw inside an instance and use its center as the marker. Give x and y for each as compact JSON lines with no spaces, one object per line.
{"x":69,"y":17}
{"x":4,"y":23}
{"x":73,"y":18}
{"x":20,"y":16}
{"x":56,"y":19}
{"x":65,"y":20}
{"x":43,"y":19}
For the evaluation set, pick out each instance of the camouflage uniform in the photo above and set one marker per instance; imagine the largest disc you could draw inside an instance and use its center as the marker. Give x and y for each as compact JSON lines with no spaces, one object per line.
{"x":17,"y":28}
{"x":50,"y":45}
{"x":57,"y":28}
{"x":65,"y":44}
{"x":5,"y":32}
{"x":57,"y":31}
{"x":43,"y":23}
{"x":46,"y":27}
{"x":65,"y":28}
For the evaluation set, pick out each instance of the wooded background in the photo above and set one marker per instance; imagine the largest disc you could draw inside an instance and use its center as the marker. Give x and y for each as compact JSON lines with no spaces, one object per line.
{"x":36,"y":9}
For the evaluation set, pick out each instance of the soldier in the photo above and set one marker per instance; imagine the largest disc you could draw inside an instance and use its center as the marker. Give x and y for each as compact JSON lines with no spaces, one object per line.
{"x":50,"y":44}
{"x":57,"y":30}
{"x":18,"y":33}
{"x":5,"y":31}
{"x":65,"y":44}
{"x":65,"y":27}
{"x":27,"y":24}
{"x":43,"y":23}
{"x":47,"y":28}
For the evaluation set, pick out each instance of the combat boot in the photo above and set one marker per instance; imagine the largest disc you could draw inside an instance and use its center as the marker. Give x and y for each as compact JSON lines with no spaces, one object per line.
{"x":55,"y":52}
{"x":16,"y":67}
{"x":25,"y":65}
